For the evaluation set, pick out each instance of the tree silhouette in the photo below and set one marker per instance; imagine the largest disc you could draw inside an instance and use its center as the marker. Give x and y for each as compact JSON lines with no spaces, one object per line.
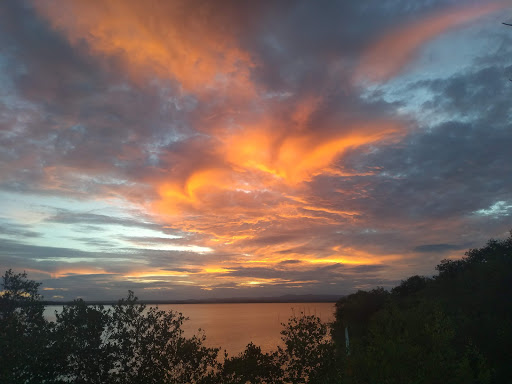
{"x":309,"y":353}
{"x":129,"y":343}
{"x":455,"y":327}
{"x":24,"y":333}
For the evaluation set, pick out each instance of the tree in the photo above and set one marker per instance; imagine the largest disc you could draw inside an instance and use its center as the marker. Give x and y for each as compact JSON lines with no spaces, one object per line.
{"x":411,"y":286}
{"x":23,"y":331}
{"x":354,"y":312}
{"x":417,"y":344}
{"x":252,"y":366}
{"x":308,"y":355}
{"x":80,"y":347}
{"x":129,"y":343}
{"x":149,"y":344}
{"x":453,"y":328}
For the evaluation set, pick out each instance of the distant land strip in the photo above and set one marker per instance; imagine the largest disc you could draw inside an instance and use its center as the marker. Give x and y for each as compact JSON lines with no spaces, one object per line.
{"x":231,"y":300}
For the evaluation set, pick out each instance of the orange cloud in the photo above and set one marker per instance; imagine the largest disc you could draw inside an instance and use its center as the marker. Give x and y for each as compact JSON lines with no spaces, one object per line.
{"x":248,"y":175}
{"x":259,"y":178}
{"x":189,"y":194}
{"x":169,"y":39}
{"x":294,"y":156}
{"x":256,"y":179}
{"x":390,"y":54}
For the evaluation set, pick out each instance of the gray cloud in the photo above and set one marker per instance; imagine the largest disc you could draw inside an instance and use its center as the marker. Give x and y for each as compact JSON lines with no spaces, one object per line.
{"x":69,"y":217}
{"x":17,"y":230}
{"x":438,"y":248}
{"x":325,"y":274}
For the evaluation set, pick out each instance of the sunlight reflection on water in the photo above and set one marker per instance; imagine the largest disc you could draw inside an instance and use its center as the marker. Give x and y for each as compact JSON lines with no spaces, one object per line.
{"x":233,"y":326}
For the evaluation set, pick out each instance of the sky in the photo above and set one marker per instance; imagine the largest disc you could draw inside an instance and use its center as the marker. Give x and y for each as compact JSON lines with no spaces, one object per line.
{"x":197,"y":149}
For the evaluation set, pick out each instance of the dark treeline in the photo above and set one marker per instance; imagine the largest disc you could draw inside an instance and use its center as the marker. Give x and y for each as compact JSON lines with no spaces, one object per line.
{"x":455,"y":327}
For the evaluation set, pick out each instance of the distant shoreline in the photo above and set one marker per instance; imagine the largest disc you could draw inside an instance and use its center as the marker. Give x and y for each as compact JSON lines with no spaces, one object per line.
{"x":235,"y":300}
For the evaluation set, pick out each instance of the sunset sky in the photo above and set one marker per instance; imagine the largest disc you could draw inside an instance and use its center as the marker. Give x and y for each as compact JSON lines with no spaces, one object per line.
{"x":193,"y":149}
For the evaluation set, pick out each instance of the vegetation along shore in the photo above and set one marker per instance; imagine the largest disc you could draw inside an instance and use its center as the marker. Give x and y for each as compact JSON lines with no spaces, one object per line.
{"x":455,"y":327}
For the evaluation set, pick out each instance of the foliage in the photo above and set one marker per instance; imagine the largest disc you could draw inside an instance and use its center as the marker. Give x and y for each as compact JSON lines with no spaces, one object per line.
{"x":79,"y":348}
{"x":23,"y":331}
{"x":411,"y":286}
{"x":307,"y":356}
{"x":453,"y":328}
{"x":148,"y":345}
{"x":129,"y":344}
{"x":354,"y":312}
{"x":19,"y":295}
{"x":413,"y":345}
{"x":252,"y":366}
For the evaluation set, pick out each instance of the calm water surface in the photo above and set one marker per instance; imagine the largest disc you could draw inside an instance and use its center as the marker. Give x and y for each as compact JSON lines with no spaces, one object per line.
{"x":233,"y":326}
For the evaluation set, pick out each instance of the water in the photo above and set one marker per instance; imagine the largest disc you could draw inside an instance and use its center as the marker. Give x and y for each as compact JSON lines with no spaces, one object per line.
{"x":233,"y":326}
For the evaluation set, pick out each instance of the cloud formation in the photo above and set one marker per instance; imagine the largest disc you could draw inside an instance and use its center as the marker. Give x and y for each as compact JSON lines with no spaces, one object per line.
{"x":198,"y":148}
{"x":385,"y":58}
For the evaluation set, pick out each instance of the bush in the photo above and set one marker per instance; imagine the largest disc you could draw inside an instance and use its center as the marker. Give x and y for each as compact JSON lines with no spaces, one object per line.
{"x":130,"y":343}
{"x":309,"y":353}
{"x":24,"y":333}
{"x":453,"y":328}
